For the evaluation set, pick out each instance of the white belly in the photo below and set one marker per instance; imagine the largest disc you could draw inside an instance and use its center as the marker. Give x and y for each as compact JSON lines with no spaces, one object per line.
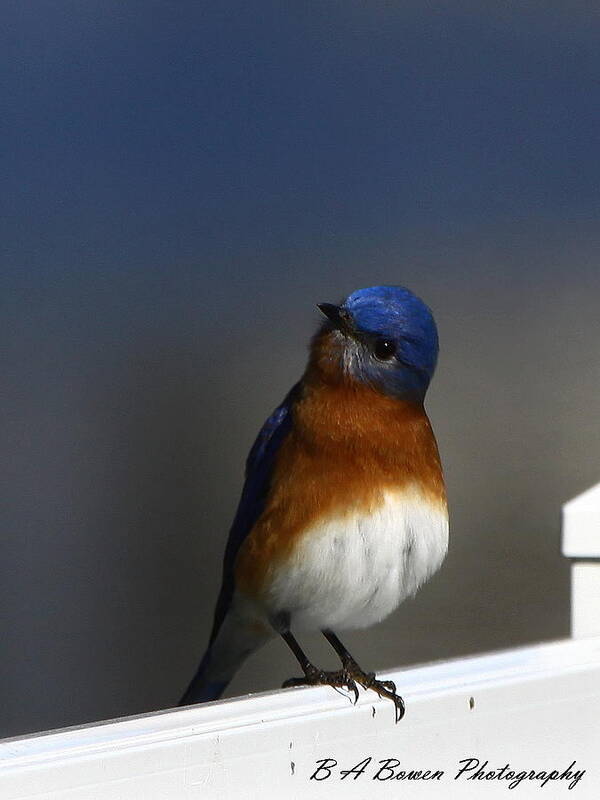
{"x":352,"y":571}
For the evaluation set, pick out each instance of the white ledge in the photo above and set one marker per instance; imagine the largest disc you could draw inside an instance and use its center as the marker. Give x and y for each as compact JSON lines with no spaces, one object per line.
{"x":535,"y":706}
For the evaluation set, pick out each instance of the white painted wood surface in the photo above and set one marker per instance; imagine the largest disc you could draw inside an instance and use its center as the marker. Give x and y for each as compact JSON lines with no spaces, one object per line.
{"x":581,"y":525}
{"x":581,"y":543}
{"x":536,"y":708}
{"x":585,"y":599}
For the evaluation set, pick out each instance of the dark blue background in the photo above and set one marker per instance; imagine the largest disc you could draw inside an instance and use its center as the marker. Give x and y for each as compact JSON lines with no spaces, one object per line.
{"x":182,"y":182}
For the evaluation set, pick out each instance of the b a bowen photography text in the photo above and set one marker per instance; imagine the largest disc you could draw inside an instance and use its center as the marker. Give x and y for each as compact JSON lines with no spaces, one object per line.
{"x":467,"y":769}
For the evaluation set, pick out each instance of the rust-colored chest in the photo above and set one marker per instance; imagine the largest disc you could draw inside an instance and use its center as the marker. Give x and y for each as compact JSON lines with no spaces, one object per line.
{"x":348,"y":445}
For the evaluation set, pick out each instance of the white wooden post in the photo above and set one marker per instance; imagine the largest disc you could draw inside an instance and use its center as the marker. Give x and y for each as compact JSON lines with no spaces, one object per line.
{"x":581,"y":543}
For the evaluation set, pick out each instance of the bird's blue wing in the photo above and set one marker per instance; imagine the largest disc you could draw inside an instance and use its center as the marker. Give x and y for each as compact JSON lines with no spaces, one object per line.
{"x":259,"y":467}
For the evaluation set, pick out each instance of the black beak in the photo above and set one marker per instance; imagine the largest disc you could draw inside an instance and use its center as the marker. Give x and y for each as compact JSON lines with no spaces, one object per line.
{"x":337,"y":315}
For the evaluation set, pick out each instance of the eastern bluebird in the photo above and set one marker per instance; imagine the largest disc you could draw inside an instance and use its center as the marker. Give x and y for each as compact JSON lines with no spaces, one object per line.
{"x":343,"y":513}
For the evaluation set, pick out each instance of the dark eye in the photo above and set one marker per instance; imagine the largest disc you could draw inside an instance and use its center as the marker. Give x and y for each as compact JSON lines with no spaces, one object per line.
{"x":384,"y":349}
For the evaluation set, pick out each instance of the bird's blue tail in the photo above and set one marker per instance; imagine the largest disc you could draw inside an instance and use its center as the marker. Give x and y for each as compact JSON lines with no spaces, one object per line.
{"x":233,"y":642}
{"x":201,"y":688}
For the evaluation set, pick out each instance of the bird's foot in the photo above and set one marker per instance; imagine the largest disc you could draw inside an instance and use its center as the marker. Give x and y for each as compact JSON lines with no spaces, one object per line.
{"x":368,"y":680}
{"x":340,"y":679}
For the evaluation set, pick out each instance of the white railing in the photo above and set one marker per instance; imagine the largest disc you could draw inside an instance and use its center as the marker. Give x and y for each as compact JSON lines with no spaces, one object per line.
{"x":533,"y":712}
{"x":581,"y":543}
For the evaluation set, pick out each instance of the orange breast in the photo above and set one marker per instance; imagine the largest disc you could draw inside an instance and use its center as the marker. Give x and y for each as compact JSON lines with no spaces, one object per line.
{"x":348,"y":444}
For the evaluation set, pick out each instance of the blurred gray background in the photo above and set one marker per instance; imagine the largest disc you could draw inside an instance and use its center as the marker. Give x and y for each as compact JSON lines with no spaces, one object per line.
{"x":182,"y":182}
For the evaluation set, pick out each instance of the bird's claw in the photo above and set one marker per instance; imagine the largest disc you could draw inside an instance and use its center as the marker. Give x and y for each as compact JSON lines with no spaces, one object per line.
{"x":391,"y":695}
{"x":368,"y":680}
{"x":350,"y":677}
{"x":340,"y":679}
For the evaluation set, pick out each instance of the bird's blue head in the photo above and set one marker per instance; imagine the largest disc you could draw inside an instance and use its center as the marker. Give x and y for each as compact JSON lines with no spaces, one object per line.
{"x":383,"y":336}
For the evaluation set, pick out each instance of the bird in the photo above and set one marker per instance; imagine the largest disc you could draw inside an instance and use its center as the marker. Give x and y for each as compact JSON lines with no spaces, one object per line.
{"x":343,"y":513}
